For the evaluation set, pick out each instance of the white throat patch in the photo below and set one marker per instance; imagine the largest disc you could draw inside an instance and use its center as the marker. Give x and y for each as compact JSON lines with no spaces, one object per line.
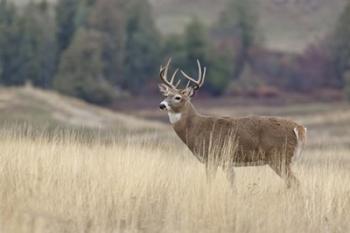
{"x":174,"y":117}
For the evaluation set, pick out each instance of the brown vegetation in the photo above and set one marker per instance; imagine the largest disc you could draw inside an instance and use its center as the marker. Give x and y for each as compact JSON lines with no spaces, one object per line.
{"x":147,"y":185}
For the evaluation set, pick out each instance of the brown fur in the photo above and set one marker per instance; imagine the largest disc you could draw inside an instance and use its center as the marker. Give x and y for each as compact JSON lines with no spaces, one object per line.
{"x":256,"y":140}
{"x":229,"y":142}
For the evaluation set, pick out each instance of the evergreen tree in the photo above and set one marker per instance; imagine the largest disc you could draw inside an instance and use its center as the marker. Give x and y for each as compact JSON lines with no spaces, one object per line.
{"x":11,"y":45}
{"x":142,"y":46}
{"x":239,"y":21}
{"x":81,"y":73}
{"x":83,"y":12}
{"x":341,"y":47}
{"x":131,"y":41}
{"x":196,"y":43}
{"x":107,"y":17}
{"x":38,"y":37}
{"x":174,"y":46}
{"x":66,"y":20}
{"x":198,"y":46}
{"x":24,"y":44}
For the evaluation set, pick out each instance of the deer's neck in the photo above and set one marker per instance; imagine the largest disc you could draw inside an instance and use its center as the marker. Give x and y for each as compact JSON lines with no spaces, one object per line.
{"x":184,"y":122}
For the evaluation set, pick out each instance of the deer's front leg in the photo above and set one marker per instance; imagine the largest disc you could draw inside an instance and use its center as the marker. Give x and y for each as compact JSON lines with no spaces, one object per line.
{"x":210,"y":170}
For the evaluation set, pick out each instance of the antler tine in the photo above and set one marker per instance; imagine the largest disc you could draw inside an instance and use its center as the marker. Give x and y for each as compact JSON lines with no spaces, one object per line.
{"x":199,"y":71}
{"x":164,"y":71}
{"x":188,"y":77}
{"x":167,"y":68}
{"x":178,"y":83}
{"x":164,"y":74}
{"x":173,"y":77}
{"x":201,"y":76}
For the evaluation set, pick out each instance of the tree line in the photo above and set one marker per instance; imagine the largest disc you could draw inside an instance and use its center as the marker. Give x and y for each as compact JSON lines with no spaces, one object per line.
{"x":102,"y":50}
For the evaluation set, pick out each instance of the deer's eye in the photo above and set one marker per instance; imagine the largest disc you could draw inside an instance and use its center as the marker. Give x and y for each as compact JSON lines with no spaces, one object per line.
{"x":177,"y":97}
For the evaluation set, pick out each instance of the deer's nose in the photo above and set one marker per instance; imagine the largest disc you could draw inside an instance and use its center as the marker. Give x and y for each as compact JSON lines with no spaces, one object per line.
{"x":162,"y":106}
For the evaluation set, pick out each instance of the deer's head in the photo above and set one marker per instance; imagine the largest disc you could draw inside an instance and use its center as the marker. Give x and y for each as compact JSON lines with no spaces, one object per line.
{"x":175,"y":97}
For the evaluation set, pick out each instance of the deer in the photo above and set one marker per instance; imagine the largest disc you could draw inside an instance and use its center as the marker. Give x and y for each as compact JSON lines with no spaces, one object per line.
{"x":229,"y":142}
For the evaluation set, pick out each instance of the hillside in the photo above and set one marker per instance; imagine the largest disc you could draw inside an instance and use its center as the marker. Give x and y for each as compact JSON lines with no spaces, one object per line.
{"x":36,"y":107}
{"x":285,"y":24}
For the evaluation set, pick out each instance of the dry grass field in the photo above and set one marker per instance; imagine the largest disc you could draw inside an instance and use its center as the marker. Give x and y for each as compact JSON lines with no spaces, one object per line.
{"x":110,"y":180}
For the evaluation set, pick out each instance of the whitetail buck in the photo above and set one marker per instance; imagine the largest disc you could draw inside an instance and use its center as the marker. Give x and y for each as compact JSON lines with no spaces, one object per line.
{"x":248,"y":141}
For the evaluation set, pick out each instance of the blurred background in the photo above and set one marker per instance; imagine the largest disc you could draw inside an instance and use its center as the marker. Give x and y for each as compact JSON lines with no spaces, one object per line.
{"x":85,"y":148}
{"x":108,"y":52}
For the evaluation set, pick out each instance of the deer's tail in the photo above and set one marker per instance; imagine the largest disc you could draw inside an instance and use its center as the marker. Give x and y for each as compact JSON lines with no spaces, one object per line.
{"x":300,"y":133}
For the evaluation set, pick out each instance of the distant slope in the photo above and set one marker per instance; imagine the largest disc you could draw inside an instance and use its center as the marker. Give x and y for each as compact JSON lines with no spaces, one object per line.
{"x":288,"y":25}
{"x":294,"y":25}
{"x":285,"y":24}
{"x":173,"y":15}
{"x":45,"y":108}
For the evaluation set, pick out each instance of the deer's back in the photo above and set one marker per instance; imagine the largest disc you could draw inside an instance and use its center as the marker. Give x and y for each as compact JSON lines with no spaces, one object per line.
{"x":259,"y":133}
{"x":253,"y":137}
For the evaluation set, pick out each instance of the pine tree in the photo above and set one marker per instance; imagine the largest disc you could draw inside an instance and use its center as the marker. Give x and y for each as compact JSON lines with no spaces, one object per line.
{"x":142,"y":46}
{"x":107,"y":17}
{"x":196,"y":43}
{"x":38,"y":37}
{"x":239,"y":22}
{"x":11,"y":44}
{"x":198,"y":46}
{"x":341,"y":47}
{"x":81,"y":73}
{"x":66,"y":20}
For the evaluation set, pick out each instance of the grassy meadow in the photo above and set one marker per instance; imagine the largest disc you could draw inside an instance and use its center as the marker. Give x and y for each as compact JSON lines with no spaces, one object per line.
{"x":141,"y":178}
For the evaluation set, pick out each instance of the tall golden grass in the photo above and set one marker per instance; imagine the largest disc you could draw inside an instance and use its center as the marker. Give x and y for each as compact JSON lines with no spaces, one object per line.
{"x":64,"y":184}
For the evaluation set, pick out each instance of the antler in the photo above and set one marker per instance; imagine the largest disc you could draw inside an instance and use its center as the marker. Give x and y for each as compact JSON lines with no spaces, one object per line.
{"x":201,"y":77}
{"x":164,"y":73}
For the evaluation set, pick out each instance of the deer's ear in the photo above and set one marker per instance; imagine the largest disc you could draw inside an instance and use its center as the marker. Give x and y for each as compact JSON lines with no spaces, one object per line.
{"x":188,"y":92}
{"x":163,"y":88}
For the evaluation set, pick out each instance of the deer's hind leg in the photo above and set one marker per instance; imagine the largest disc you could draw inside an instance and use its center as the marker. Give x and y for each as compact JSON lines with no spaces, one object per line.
{"x":230,"y":175}
{"x":286,"y":173}
{"x":210,"y":171}
{"x":282,"y":168}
